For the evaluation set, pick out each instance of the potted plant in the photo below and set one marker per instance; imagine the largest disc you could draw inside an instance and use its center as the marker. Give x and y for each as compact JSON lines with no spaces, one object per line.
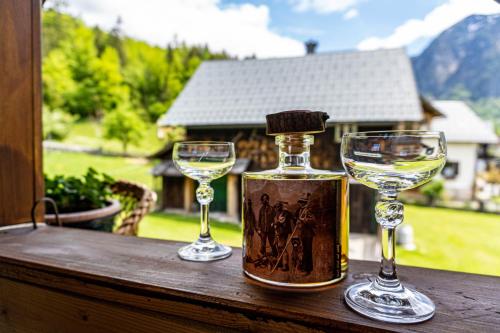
{"x":85,"y":202}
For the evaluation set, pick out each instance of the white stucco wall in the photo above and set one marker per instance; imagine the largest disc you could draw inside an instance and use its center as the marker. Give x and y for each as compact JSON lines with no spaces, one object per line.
{"x":466,"y":156}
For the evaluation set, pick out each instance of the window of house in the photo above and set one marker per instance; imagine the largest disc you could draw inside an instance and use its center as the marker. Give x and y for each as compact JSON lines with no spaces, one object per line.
{"x":450,"y":170}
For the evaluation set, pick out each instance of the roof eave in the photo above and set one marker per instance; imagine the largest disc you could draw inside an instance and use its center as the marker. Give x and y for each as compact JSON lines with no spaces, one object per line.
{"x":263,"y":124}
{"x":476,"y":142}
{"x":428,"y":107}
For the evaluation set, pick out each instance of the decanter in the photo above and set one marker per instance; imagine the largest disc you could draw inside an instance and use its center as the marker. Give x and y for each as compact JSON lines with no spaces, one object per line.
{"x":295,"y":218}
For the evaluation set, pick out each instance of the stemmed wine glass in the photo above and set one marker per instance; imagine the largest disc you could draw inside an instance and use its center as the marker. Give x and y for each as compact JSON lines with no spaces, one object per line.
{"x":204,"y":161}
{"x":391,"y":162}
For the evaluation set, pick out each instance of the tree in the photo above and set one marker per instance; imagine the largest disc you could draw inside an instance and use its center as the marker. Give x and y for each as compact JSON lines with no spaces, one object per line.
{"x":82,"y":56}
{"x":124,"y":125}
{"x":101,"y":87}
{"x":58,"y":28}
{"x":111,"y":90}
{"x":58,"y":83}
{"x":146,"y":74}
{"x":81,"y":53}
{"x":489,"y":109}
{"x":156,"y":110}
{"x":100,"y":40}
{"x":115,"y":40}
{"x":89,"y":72}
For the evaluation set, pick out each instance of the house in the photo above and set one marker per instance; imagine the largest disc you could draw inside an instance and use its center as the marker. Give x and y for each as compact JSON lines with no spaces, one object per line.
{"x":228,"y":100}
{"x":467,"y":136}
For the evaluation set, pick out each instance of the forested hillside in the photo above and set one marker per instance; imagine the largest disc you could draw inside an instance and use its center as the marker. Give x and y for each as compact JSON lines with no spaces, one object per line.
{"x":127,"y":84}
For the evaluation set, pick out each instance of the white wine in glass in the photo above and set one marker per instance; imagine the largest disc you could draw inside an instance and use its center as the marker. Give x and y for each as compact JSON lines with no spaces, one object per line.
{"x":204,"y":161}
{"x":391,"y":162}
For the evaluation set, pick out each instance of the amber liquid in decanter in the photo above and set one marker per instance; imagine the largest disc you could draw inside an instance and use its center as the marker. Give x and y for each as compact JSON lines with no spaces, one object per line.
{"x":295,"y":220}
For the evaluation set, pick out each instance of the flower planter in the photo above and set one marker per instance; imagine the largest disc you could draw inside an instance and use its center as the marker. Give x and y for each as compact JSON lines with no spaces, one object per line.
{"x":101,"y":219}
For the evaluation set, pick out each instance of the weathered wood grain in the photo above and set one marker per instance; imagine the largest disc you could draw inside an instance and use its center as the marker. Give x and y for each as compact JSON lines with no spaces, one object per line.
{"x":146,"y":275}
{"x":21,"y":180}
{"x":35,"y":309}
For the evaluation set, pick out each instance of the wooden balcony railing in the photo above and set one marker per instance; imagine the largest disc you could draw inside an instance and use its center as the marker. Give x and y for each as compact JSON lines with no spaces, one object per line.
{"x":66,"y":280}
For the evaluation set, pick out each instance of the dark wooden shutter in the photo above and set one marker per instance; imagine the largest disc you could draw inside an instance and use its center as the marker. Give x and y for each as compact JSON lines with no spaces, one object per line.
{"x":21,"y":180}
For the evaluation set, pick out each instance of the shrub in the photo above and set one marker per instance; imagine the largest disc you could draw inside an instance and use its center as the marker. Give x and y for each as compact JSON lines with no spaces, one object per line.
{"x":433,"y":191}
{"x":56,"y":124}
{"x":156,"y":110}
{"x":71,"y":194}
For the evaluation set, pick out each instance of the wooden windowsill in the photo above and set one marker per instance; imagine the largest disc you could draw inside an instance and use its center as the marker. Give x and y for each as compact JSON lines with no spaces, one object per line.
{"x":89,"y":281}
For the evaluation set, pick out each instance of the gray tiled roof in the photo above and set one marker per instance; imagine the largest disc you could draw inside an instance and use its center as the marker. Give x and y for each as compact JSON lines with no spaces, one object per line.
{"x":461,"y":124}
{"x":355,"y":86}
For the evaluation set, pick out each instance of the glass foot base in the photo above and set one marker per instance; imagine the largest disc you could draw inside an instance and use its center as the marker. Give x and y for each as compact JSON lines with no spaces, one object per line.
{"x":204,"y":250}
{"x":404,"y":305}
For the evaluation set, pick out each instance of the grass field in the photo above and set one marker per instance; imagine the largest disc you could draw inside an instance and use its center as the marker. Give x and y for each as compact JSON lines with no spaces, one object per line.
{"x":90,"y":134}
{"x":186,"y":229}
{"x":76,"y":164}
{"x":453,"y":240}
{"x":446,"y":239}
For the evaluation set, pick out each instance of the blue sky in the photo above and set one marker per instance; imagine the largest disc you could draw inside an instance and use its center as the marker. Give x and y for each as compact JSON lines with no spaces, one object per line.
{"x":334,"y":32}
{"x":277,"y":28}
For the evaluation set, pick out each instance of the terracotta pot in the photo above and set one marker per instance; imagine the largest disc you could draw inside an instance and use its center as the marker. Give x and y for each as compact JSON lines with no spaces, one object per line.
{"x":101,"y":219}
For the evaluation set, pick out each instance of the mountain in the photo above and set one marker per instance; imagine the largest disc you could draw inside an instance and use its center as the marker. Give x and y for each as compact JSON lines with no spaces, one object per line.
{"x":463,"y":62}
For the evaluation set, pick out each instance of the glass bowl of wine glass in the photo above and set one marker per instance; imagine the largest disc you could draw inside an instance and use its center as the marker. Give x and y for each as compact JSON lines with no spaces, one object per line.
{"x":391,"y":162}
{"x":204,"y":161}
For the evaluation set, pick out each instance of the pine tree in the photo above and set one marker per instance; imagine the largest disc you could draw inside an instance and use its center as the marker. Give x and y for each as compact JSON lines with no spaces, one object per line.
{"x":116,"y":37}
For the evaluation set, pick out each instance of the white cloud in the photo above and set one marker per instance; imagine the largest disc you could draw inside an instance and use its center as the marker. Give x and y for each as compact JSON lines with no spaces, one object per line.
{"x":351,"y":13}
{"x":436,"y":21}
{"x":322,"y":6}
{"x":241,"y":30}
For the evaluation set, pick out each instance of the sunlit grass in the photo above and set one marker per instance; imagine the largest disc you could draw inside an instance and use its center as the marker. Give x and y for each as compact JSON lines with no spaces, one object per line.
{"x":445,"y":238}
{"x":187,"y":229}
{"x":91,"y":134}
{"x":76,"y":164}
{"x":453,"y":240}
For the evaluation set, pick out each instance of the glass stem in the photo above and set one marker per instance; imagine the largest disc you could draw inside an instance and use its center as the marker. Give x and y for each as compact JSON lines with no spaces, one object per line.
{"x":205,"y":195}
{"x":388,"y":263}
{"x":205,"y":227}
{"x":389,"y":214}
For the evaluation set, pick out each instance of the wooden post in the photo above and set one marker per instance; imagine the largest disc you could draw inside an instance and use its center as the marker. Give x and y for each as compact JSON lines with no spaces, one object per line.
{"x":21,"y":180}
{"x":400,"y":126}
{"x":164,"y":191}
{"x":232,"y":196}
{"x":188,"y":194}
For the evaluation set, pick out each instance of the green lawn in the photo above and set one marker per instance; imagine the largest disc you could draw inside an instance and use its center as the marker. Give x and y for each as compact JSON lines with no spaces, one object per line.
{"x":453,"y":240}
{"x":445,"y":238}
{"x":76,"y":164}
{"x":90,"y":134}
{"x":187,"y":229}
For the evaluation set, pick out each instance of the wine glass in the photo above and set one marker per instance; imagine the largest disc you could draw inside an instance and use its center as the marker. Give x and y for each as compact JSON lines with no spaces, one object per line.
{"x":390,"y":162}
{"x":204,"y":161}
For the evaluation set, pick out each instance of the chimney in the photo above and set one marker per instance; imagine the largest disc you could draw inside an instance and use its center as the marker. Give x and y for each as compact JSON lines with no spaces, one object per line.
{"x":311,"y":46}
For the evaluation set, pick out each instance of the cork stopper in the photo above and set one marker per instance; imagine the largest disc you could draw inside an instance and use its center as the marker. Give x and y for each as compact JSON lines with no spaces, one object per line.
{"x":296,"y":121}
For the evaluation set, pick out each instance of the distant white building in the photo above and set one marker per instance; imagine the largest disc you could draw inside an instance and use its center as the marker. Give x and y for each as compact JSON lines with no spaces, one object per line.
{"x":466,"y":134}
